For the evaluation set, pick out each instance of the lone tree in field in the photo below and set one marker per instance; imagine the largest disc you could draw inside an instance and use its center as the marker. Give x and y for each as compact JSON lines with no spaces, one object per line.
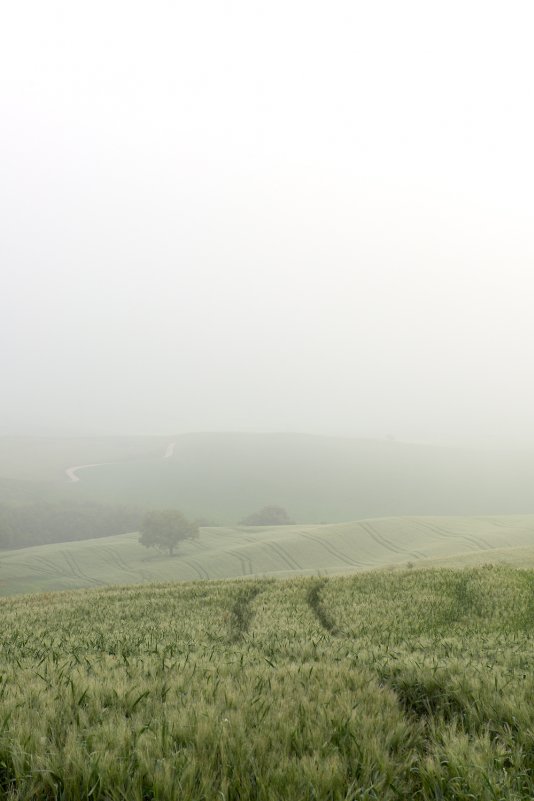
{"x":268,"y":516}
{"x":165,"y":528}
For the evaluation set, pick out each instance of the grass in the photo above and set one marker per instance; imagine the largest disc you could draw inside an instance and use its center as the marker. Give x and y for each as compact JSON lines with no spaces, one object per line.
{"x":228,"y":552}
{"x":413,"y":684}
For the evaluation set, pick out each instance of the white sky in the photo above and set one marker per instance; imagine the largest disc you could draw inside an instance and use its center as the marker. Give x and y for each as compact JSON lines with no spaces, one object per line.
{"x":279,"y":216}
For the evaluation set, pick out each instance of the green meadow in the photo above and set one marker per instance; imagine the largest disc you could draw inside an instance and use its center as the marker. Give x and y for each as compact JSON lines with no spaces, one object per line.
{"x":233,"y":552}
{"x":415,"y":684}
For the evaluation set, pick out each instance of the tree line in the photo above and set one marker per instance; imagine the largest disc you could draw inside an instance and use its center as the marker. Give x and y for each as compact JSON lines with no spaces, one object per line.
{"x":43,"y":522}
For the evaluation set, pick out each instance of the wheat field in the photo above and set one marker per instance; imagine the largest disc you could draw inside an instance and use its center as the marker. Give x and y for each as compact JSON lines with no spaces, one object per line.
{"x":232,"y":552}
{"x":413,"y":684}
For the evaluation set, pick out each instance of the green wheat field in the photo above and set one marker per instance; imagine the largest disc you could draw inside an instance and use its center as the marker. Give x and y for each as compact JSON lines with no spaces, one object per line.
{"x":411,"y":684}
{"x":278,"y":551}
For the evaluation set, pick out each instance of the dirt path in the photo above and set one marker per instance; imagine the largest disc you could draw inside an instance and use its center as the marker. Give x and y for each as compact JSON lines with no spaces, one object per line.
{"x":71,"y":472}
{"x":170,"y":450}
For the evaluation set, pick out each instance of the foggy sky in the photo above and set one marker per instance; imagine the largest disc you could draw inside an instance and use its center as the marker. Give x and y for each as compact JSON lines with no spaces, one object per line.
{"x":289,"y":216}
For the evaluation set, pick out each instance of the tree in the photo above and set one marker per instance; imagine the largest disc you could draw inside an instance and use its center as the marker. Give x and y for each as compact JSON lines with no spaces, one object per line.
{"x":165,"y":528}
{"x":268,"y":516}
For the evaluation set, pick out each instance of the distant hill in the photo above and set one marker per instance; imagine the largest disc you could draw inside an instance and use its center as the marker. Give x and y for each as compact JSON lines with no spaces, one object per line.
{"x":224,"y":477}
{"x":47,"y":458}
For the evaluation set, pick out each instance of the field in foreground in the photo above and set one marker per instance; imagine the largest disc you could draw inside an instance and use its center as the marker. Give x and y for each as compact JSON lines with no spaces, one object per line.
{"x":278,"y":551}
{"x":414,"y":684}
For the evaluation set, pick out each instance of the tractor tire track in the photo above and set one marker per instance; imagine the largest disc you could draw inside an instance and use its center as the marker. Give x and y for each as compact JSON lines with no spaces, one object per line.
{"x":117,"y":558}
{"x":333,"y":550}
{"x":387,"y":544}
{"x":241,"y":612}
{"x":478,"y":542}
{"x":37,"y":568}
{"x":52,"y":567}
{"x":500,"y":524}
{"x":199,"y":546}
{"x":283,"y":555}
{"x":315,"y":603}
{"x":198,"y":569}
{"x":246,"y":531}
{"x":77,"y":572}
{"x":245,"y":562}
{"x":120,"y":563}
{"x":497,"y":523}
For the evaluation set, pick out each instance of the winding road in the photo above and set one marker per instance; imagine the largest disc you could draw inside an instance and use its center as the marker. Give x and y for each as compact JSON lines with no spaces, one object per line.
{"x":170,"y":450}
{"x":72,"y":472}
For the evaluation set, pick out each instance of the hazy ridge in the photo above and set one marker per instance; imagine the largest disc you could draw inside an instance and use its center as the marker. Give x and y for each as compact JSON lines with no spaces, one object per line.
{"x":224,"y":476}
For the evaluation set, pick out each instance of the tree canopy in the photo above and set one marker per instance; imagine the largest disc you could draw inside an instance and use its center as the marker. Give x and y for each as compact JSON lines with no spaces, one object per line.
{"x":268,"y":516}
{"x":165,"y":528}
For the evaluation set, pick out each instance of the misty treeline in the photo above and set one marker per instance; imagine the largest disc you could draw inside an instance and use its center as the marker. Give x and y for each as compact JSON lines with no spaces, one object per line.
{"x":43,"y":522}
{"x":28,"y":521}
{"x":268,"y":516}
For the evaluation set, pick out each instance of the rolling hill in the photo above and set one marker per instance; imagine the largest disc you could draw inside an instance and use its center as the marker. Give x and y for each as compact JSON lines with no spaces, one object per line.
{"x":223,"y":477}
{"x":231,"y":552}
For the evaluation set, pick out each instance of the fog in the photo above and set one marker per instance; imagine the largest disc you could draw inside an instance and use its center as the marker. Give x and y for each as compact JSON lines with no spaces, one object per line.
{"x":286,"y":216}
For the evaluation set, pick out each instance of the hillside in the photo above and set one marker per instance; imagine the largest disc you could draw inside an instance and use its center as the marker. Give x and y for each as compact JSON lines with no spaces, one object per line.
{"x":380,"y":687}
{"x":223,"y":477}
{"x":227,"y":552}
{"x":47,"y":458}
